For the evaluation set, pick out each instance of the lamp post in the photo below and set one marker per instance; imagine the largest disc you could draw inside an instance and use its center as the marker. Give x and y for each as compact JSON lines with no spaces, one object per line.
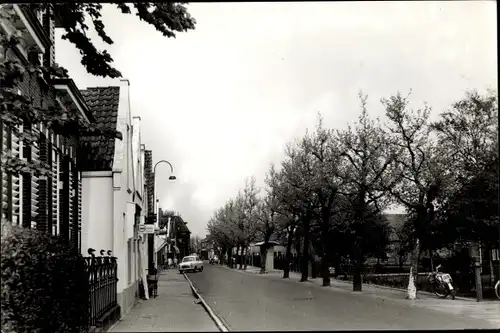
{"x":172,"y":177}
{"x":156,"y":210}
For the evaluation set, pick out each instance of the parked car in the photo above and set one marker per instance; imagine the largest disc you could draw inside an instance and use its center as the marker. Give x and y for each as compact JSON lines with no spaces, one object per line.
{"x":191,"y":263}
{"x":214,"y":260}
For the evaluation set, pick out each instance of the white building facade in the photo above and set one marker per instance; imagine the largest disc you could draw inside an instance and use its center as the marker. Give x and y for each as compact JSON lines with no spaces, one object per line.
{"x":113,"y":190}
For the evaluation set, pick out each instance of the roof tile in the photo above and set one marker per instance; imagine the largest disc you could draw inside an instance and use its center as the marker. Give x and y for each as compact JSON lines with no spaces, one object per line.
{"x":97,"y":150}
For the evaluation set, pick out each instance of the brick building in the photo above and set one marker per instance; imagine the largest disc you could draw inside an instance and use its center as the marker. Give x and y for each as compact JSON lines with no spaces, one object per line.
{"x":51,"y":204}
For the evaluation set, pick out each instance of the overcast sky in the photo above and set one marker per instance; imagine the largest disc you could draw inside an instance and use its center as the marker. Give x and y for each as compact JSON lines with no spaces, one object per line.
{"x":220,"y":102}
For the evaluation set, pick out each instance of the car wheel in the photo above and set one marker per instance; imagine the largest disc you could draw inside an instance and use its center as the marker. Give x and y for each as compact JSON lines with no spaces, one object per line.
{"x":201,"y":269}
{"x":180,"y":272}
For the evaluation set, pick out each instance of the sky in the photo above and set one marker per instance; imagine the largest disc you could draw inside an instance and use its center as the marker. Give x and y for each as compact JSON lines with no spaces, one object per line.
{"x":221,"y":102}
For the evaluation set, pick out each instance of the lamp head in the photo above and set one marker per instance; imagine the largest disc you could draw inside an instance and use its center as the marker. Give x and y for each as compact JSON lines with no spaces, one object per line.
{"x":172,"y":178}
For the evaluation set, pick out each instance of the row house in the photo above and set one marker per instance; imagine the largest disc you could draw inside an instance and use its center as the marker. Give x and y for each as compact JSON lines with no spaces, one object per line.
{"x":51,"y":204}
{"x":114,"y":191}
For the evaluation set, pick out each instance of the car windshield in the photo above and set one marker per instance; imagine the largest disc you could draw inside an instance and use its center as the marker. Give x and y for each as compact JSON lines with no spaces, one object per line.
{"x":187,"y":259}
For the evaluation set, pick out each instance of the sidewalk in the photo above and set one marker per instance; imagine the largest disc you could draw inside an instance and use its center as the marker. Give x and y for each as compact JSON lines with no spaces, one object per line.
{"x":486,"y":310}
{"x":174,"y":310}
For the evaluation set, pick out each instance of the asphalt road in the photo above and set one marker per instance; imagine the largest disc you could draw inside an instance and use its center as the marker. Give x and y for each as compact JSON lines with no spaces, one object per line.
{"x":250,"y":302}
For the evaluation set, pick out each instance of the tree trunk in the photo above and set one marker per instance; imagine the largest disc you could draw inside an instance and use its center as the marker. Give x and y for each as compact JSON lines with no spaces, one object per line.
{"x":412,"y":283}
{"x":304,"y":269}
{"x":325,"y":272}
{"x":357,"y":276}
{"x":236,"y":257}
{"x":286,"y":270}
{"x":246,"y":257}
{"x":221,"y":256}
{"x":431,"y":260}
{"x":241,"y":256}
{"x":263,"y":256}
{"x":230,"y":257}
{"x":326,"y":212}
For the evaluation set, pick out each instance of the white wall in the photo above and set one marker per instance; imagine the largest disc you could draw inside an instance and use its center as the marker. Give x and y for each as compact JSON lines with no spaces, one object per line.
{"x":122,"y":185}
{"x":97,"y":211}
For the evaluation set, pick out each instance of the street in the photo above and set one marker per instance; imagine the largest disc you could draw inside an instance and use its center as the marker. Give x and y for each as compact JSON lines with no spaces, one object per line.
{"x":246,"y":301}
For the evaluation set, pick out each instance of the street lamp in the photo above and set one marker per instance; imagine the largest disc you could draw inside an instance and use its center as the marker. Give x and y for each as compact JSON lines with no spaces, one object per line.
{"x":172,"y":177}
{"x":151,"y":253}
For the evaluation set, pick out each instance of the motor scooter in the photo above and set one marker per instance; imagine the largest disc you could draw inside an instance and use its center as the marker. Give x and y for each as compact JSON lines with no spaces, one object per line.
{"x":442,"y":284}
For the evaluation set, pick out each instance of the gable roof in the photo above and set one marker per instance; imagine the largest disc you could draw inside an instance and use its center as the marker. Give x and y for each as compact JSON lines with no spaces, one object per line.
{"x":97,"y":150}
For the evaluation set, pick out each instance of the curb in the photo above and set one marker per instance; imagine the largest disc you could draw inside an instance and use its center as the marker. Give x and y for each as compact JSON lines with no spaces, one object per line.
{"x":218,"y":322}
{"x":427,"y":293}
{"x":110,"y":329}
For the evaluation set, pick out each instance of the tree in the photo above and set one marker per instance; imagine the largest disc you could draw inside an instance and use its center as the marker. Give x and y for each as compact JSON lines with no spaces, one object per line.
{"x":296,"y":190}
{"x":468,"y":133}
{"x":167,"y":18}
{"x":421,"y":168}
{"x":246,"y":208}
{"x":267,"y":218}
{"x":195,"y":244}
{"x":222,"y":228}
{"x":367,"y":158}
{"x":325,"y":186}
{"x":287,"y":211}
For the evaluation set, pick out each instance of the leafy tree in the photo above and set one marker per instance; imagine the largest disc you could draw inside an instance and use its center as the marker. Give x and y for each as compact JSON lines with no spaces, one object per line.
{"x":247,"y":209}
{"x":421,"y":166}
{"x":468,"y":132}
{"x":168,"y":18}
{"x":195,"y":244}
{"x":367,"y":158}
{"x":288,"y":213}
{"x":297,"y":191}
{"x":324,"y":186}
{"x":222,"y":228}
{"x":267,"y":219}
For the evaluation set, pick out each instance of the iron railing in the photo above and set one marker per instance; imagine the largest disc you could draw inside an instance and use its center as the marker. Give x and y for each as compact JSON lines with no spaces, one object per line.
{"x":102,"y":274}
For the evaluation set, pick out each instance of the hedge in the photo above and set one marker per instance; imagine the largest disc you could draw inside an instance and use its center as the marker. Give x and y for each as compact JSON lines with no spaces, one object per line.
{"x":44,"y":283}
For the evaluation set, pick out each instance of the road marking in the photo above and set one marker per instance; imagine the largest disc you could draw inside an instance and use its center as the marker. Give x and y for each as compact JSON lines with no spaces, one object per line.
{"x":211,"y":313}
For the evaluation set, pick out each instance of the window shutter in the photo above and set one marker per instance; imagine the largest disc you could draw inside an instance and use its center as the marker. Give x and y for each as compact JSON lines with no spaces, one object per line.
{"x":79,"y":220}
{"x":16,"y":181}
{"x":4,"y":185}
{"x":35,"y":156}
{"x":70,"y":205}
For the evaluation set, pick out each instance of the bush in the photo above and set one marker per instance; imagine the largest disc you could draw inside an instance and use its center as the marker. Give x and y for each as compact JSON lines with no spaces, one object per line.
{"x":44,"y":283}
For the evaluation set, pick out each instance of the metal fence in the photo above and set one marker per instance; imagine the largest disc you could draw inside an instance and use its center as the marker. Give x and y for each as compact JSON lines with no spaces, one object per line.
{"x":102,"y":276}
